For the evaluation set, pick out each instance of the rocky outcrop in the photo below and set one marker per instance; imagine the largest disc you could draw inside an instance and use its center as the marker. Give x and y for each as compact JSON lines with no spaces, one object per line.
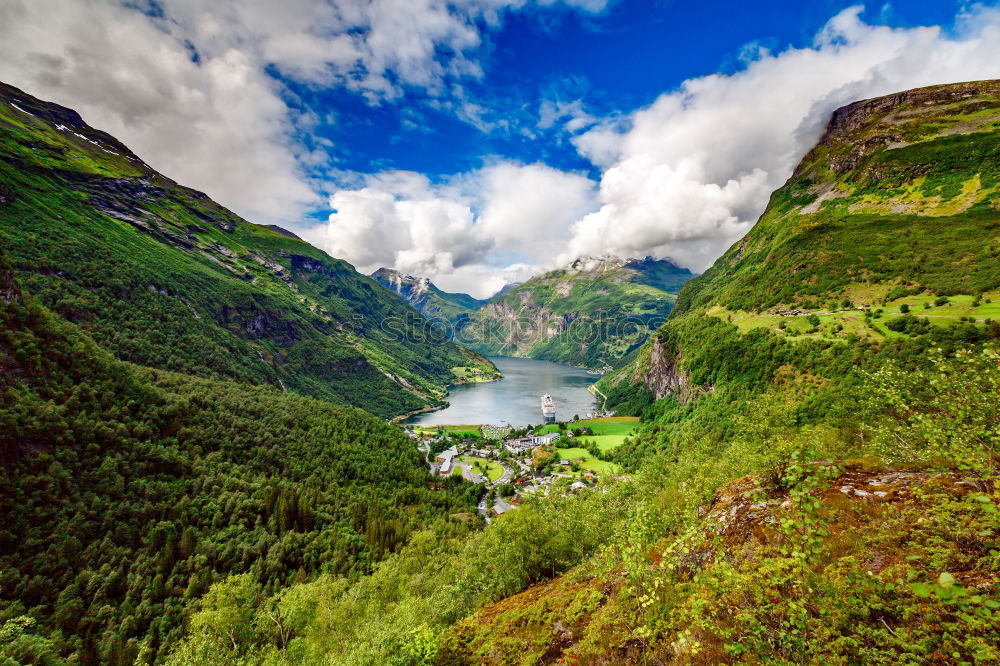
{"x":853,"y":124}
{"x":223,"y":224}
{"x":664,"y":375}
{"x":256,"y":325}
{"x":744,"y":516}
{"x":304,"y":264}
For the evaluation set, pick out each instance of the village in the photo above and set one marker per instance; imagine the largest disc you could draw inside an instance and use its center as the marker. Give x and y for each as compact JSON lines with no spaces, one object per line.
{"x":514,"y":464}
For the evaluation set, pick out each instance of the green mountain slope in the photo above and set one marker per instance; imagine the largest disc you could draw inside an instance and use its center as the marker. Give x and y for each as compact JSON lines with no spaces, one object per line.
{"x":884,"y":241}
{"x":592,"y":314}
{"x":125,"y":492}
{"x":162,"y":276}
{"x":814,"y":481}
{"x":423,"y":295}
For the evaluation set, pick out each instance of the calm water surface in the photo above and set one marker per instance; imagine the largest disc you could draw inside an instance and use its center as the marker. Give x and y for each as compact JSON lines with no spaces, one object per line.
{"x":516,"y":399}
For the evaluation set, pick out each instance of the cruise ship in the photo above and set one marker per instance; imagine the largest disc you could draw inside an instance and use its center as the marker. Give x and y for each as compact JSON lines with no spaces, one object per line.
{"x":548,"y":409}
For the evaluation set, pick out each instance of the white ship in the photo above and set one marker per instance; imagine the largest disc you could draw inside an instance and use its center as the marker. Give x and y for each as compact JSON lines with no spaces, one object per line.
{"x":548,"y":409}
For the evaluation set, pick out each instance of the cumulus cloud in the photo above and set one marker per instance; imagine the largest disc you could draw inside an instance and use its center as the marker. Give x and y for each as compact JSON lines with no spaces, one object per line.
{"x":187,"y":83}
{"x":473,"y":232}
{"x":688,"y":175}
{"x":217,"y":125}
{"x":189,"y":86}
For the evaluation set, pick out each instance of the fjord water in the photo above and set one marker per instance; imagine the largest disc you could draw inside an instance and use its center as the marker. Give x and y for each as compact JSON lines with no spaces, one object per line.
{"x":515,"y":399}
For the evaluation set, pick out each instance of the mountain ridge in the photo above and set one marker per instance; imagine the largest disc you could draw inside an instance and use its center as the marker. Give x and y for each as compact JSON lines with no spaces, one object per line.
{"x":916,"y":163}
{"x":593,"y":312}
{"x":111,"y":244}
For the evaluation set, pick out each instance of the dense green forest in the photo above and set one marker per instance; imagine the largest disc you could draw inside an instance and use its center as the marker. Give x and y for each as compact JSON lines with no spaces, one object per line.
{"x":128,"y":491}
{"x":162,"y":276}
{"x":732,"y":549}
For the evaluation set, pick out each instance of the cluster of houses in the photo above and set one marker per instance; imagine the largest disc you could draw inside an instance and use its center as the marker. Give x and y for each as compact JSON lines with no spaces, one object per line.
{"x":526,"y":480}
{"x":524,"y":444}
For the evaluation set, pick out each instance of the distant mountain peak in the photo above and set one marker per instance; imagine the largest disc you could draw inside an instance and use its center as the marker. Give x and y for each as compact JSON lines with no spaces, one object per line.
{"x":424,"y":295}
{"x":611,"y":262}
{"x":504,"y":289}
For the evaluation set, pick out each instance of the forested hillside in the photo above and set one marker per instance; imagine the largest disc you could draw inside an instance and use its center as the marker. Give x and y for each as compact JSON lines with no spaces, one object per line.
{"x":160,"y":275}
{"x":126,"y":492}
{"x":815,"y":481}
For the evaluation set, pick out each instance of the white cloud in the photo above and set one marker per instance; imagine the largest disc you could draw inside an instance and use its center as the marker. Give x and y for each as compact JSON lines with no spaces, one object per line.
{"x":682,"y":178}
{"x":185,"y":83}
{"x":472,"y":233}
{"x":218,"y":125}
{"x":688,"y":175}
{"x":570,"y":115}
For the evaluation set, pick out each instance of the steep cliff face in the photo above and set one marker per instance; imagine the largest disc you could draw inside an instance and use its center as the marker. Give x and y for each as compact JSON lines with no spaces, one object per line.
{"x":665,"y":376}
{"x":162,"y":276}
{"x":592,"y":313}
{"x":895,"y":209}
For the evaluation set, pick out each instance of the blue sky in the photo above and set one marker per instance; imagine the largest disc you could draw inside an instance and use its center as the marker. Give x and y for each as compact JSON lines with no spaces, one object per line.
{"x":480,"y":141}
{"x":618,"y":60}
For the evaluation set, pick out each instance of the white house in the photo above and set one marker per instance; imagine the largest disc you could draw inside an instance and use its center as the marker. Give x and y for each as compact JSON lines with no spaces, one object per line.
{"x":445,"y":458}
{"x":520,"y":445}
{"x":447,"y":454}
{"x":548,"y":438}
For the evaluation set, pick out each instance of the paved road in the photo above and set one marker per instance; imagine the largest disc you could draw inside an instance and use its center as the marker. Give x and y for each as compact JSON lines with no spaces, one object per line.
{"x":508,"y":474}
{"x":426,"y":450}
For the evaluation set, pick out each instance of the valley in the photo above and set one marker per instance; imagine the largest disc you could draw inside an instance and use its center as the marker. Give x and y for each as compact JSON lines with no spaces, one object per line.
{"x":591,"y":314}
{"x":514,"y":400}
{"x":219,"y":444}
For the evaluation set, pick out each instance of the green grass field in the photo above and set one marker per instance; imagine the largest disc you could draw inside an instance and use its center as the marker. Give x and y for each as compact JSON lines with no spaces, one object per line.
{"x":604,"y":442}
{"x":448,"y":429}
{"x":492,"y":470}
{"x":615,"y":425}
{"x":853,"y":321}
{"x":588,"y":461}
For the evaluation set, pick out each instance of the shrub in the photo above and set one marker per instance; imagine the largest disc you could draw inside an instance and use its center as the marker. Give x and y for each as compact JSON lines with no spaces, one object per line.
{"x":948,"y":412}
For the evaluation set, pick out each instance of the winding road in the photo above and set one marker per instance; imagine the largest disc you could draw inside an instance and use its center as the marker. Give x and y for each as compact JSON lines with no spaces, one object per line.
{"x":508,"y":474}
